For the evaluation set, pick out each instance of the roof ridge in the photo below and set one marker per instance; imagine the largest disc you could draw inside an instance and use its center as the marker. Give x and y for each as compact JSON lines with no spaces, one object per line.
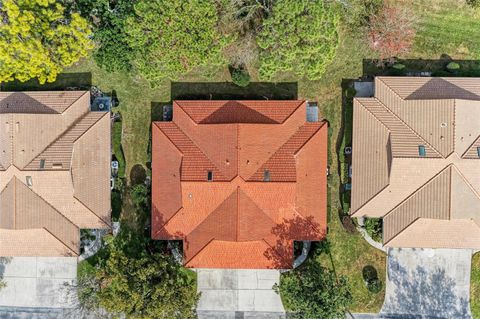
{"x":48,"y":203}
{"x":75,"y":101}
{"x":317,"y":129}
{"x":103,"y":221}
{"x":470,"y":146}
{"x":465,"y":180}
{"x":306,"y":124}
{"x":175,"y":102}
{"x":368,"y":110}
{"x":68,"y":129}
{"x":167,"y":221}
{"x":454,"y":139}
{"x":274,"y":250}
{"x":380,"y":78}
{"x":263,"y":212}
{"x":238,"y":213}
{"x":418,"y":189}
{"x":410,"y":128}
{"x":294,"y":110}
{"x":199,"y":251}
{"x":193,"y":142}
{"x":397,"y":234}
{"x":51,"y":206}
{"x":61,"y":241}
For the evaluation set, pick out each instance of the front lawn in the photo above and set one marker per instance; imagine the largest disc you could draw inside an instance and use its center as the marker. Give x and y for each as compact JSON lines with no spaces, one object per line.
{"x":446,"y":26}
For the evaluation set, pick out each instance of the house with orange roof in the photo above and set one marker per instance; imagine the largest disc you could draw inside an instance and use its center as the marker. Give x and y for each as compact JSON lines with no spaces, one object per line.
{"x":416,"y":161}
{"x":54,"y":172}
{"x":239,"y":181}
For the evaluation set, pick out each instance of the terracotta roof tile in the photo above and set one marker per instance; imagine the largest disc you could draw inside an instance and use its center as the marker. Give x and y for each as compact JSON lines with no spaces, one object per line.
{"x":218,"y":218}
{"x":216,"y":112}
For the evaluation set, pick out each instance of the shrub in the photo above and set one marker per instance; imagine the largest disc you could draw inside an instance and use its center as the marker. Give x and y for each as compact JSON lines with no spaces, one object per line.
{"x":346,"y":202}
{"x":313,"y":291}
{"x":398,"y":66}
{"x":473,"y":3}
{"x":370,"y":277}
{"x":240,"y":77}
{"x":348,"y":224}
{"x":137,"y":174}
{"x":350,"y":93}
{"x":452,"y":66}
{"x":116,"y":205}
{"x":374,"y":286}
{"x":373,"y":226}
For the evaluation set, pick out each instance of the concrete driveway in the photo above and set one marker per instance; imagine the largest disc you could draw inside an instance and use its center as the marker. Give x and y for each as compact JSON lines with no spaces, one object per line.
{"x":238,"y":294}
{"x":428,"y":283}
{"x":44,"y":282}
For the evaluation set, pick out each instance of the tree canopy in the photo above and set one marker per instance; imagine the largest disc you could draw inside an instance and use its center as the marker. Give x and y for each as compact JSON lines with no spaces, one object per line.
{"x":313,"y":291}
{"x":108,"y":20}
{"x":137,"y":276}
{"x":144,"y":283}
{"x":38,"y":38}
{"x":299,"y":36}
{"x":170,"y":38}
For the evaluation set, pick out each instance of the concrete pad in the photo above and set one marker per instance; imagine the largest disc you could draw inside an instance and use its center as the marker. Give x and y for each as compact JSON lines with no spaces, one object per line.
{"x":364,"y":89}
{"x":39,"y":282}
{"x":428,"y":283}
{"x":242,"y":293}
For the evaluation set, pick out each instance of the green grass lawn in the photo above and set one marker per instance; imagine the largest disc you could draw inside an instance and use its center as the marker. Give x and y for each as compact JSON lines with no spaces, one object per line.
{"x":475,"y":287}
{"x":349,"y":253}
{"x":446,"y":26}
{"x":117,"y":148}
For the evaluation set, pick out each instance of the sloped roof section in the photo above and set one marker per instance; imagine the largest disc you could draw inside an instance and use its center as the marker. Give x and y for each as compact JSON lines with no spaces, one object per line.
{"x":55,"y":179}
{"x":433,"y":159}
{"x":221,"y":112}
{"x":243,"y":203}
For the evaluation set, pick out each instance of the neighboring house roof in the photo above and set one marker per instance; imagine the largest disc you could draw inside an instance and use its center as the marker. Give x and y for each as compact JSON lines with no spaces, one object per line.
{"x":416,"y":160}
{"x":238,"y":220}
{"x":54,"y":172}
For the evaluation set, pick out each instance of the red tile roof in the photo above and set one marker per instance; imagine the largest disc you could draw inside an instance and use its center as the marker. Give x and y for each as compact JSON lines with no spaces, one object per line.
{"x":238,"y":220}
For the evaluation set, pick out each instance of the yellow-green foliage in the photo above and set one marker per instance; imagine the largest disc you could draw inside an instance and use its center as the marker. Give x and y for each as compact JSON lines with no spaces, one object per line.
{"x":38,"y":39}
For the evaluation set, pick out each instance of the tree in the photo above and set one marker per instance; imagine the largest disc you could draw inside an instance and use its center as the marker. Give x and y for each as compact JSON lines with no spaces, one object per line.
{"x":356,"y":13}
{"x":312,"y":291}
{"x":139,"y":278}
{"x":38,"y":38}
{"x":170,"y":38}
{"x":299,"y":36}
{"x":391,"y":31}
{"x":135,"y":275}
{"x":107,"y":17}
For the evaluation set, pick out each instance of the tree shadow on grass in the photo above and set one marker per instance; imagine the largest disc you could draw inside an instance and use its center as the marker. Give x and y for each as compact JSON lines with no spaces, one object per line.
{"x":64,"y":81}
